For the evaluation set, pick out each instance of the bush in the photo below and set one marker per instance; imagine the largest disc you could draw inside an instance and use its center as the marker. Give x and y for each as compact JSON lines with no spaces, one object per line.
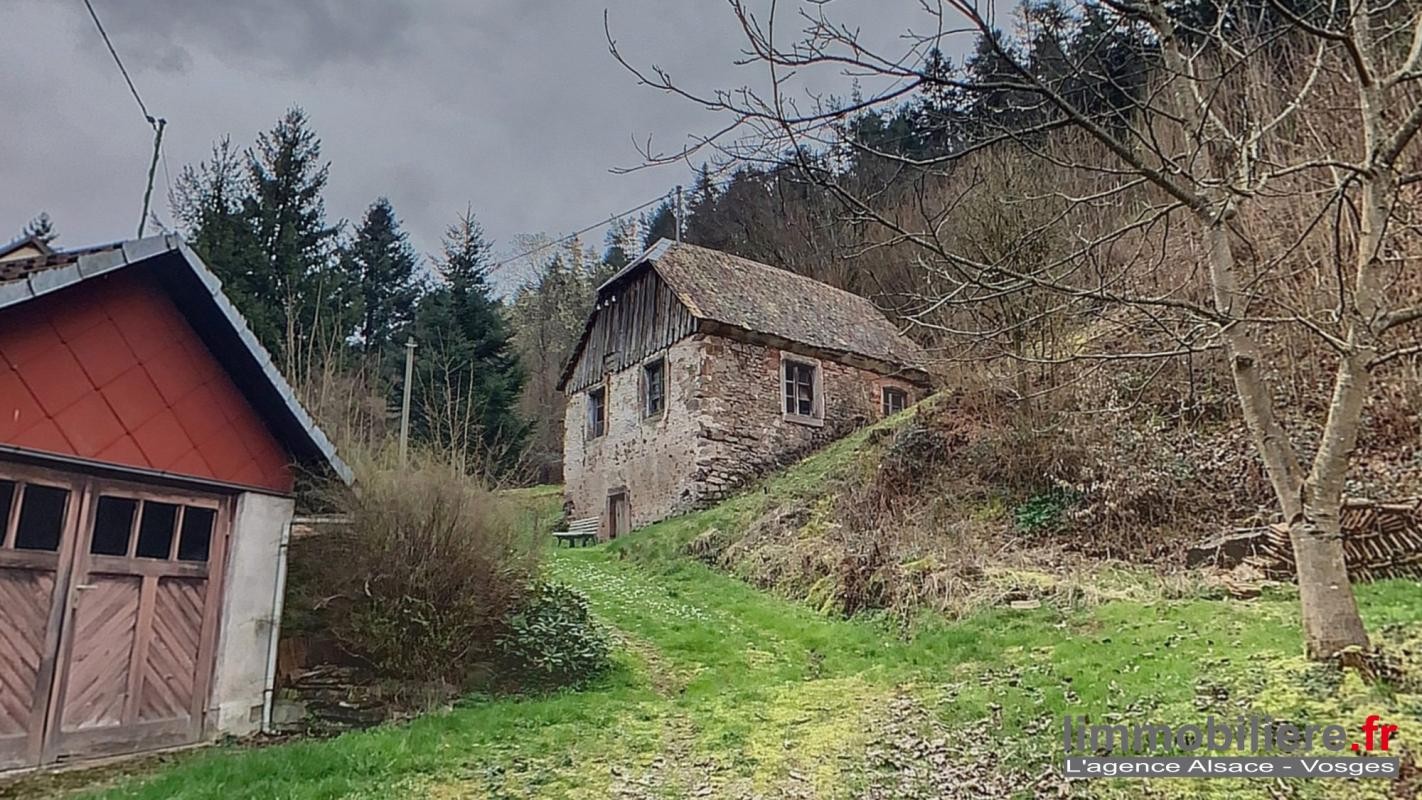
{"x":551,"y":638}
{"x":419,"y":583}
{"x":1043,"y":511}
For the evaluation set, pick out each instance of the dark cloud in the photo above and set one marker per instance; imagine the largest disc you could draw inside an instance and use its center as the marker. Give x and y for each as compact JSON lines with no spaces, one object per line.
{"x":292,"y":35}
{"x":511,"y":107}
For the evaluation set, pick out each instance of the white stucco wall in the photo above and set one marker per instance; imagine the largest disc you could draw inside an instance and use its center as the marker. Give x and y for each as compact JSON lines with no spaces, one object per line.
{"x":248,"y":620}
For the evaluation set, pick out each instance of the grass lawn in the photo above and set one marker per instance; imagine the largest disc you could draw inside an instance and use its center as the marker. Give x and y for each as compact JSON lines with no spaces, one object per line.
{"x":724,"y":691}
{"x":721,"y":690}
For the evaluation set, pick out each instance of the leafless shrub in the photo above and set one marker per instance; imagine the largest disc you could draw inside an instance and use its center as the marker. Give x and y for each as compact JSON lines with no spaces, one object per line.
{"x":419,"y":582}
{"x":347,"y":403}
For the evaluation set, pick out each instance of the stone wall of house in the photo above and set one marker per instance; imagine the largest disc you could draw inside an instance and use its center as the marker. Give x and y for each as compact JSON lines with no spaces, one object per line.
{"x":724,"y":426}
{"x":651,"y":459}
{"x":743,"y":430}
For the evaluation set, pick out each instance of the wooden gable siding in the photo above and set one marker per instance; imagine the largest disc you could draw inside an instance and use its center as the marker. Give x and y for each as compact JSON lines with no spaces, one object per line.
{"x":633,"y":322}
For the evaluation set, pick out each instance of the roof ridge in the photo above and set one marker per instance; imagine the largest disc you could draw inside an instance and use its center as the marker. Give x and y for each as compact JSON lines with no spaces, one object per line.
{"x":648,"y":255}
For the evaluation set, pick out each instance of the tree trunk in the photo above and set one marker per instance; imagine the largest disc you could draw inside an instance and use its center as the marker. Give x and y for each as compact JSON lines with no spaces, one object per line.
{"x":1312,"y":506}
{"x":1281,"y":463}
{"x":1330,"y":611}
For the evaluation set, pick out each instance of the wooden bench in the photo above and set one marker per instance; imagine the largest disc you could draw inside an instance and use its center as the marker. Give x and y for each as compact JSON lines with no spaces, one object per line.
{"x":580,"y":532}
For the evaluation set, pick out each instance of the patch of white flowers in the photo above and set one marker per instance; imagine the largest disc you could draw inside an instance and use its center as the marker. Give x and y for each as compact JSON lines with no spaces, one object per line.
{"x":612,"y":588}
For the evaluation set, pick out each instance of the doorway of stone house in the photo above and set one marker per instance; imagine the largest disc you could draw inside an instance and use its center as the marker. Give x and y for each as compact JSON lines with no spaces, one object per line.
{"x":619,"y":514}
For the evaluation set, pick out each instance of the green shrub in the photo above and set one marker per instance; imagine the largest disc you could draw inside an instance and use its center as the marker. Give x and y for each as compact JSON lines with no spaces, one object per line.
{"x":1043,"y":511}
{"x":552,"y":639}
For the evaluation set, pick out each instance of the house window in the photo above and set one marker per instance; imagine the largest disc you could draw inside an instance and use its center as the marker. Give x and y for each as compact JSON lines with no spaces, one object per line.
{"x":799,"y":389}
{"x":654,"y":388}
{"x":895,"y":400}
{"x":113,"y":526}
{"x":597,"y":412}
{"x":195,"y":537}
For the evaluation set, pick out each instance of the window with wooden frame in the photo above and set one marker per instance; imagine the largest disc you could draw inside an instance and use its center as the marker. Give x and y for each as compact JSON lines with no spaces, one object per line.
{"x":800,"y":389}
{"x":654,"y":388}
{"x":142,"y":528}
{"x":597,"y":412}
{"x":895,"y":400}
{"x":32,"y":515}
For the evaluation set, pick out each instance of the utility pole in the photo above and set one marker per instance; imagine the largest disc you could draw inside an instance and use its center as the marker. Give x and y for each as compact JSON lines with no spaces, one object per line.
{"x":405,"y":405}
{"x":680,"y":212}
{"x":158,"y":126}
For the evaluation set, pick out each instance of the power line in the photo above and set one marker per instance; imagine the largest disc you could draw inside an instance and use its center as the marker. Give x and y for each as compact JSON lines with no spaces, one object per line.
{"x":156,"y":123}
{"x":122,"y":69}
{"x":575,"y":234}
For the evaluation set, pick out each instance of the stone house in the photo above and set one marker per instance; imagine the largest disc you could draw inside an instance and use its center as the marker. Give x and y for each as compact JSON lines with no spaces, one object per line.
{"x":698,"y":371}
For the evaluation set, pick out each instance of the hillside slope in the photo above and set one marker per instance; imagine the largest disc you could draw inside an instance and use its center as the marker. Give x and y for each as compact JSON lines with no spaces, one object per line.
{"x":724,"y":690}
{"x":940,"y":508}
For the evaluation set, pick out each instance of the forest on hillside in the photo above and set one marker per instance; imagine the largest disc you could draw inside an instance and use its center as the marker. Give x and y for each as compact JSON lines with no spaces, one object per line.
{"x":1173,"y":244}
{"x":1197,"y":218}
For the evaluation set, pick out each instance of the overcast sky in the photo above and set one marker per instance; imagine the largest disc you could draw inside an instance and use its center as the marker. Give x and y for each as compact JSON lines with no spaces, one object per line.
{"x":513,"y":107}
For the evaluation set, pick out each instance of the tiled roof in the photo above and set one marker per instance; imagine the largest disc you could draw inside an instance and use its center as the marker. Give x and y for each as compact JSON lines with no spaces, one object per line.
{"x":19,"y":268}
{"x":198,"y":293}
{"x":116,"y":375}
{"x":758,"y":298}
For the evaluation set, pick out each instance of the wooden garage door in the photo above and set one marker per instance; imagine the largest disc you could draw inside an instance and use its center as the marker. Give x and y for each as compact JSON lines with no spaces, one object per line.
{"x":116,"y":636}
{"x":37,"y":518}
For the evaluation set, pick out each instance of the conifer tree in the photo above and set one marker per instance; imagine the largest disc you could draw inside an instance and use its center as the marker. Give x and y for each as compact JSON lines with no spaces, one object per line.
{"x":622,"y":243}
{"x":208,"y":203}
{"x":660,"y":224}
{"x":702,"y":224}
{"x":382,"y":264}
{"x":42,"y":228}
{"x":294,"y":277}
{"x":468,"y":376}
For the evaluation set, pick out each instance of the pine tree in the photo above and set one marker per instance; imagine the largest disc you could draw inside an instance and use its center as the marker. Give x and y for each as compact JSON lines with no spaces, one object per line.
{"x":660,"y":224}
{"x":296,"y":291}
{"x":936,"y":116}
{"x":42,"y":228}
{"x":702,"y":224}
{"x":208,"y":204}
{"x":468,"y":376}
{"x":622,"y":243}
{"x":1051,"y":27}
{"x":995,"y":110}
{"x":1114,"y":59}
{"x":382,"y":264}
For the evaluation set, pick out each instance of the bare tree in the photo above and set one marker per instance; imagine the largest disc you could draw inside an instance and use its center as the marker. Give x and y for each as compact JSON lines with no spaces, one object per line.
{"x":1256,"y":179}
{"x":546,"y":318}
{"x":451,"y":417}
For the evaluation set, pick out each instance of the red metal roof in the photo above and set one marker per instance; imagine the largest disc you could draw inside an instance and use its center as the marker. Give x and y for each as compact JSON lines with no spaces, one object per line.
{"x":110,"y":370}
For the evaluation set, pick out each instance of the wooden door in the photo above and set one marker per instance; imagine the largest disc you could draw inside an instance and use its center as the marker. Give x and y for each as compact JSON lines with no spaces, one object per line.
{"x":619,"y":515}
{"x":136,"y":651}
{"x":38,"y":518}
